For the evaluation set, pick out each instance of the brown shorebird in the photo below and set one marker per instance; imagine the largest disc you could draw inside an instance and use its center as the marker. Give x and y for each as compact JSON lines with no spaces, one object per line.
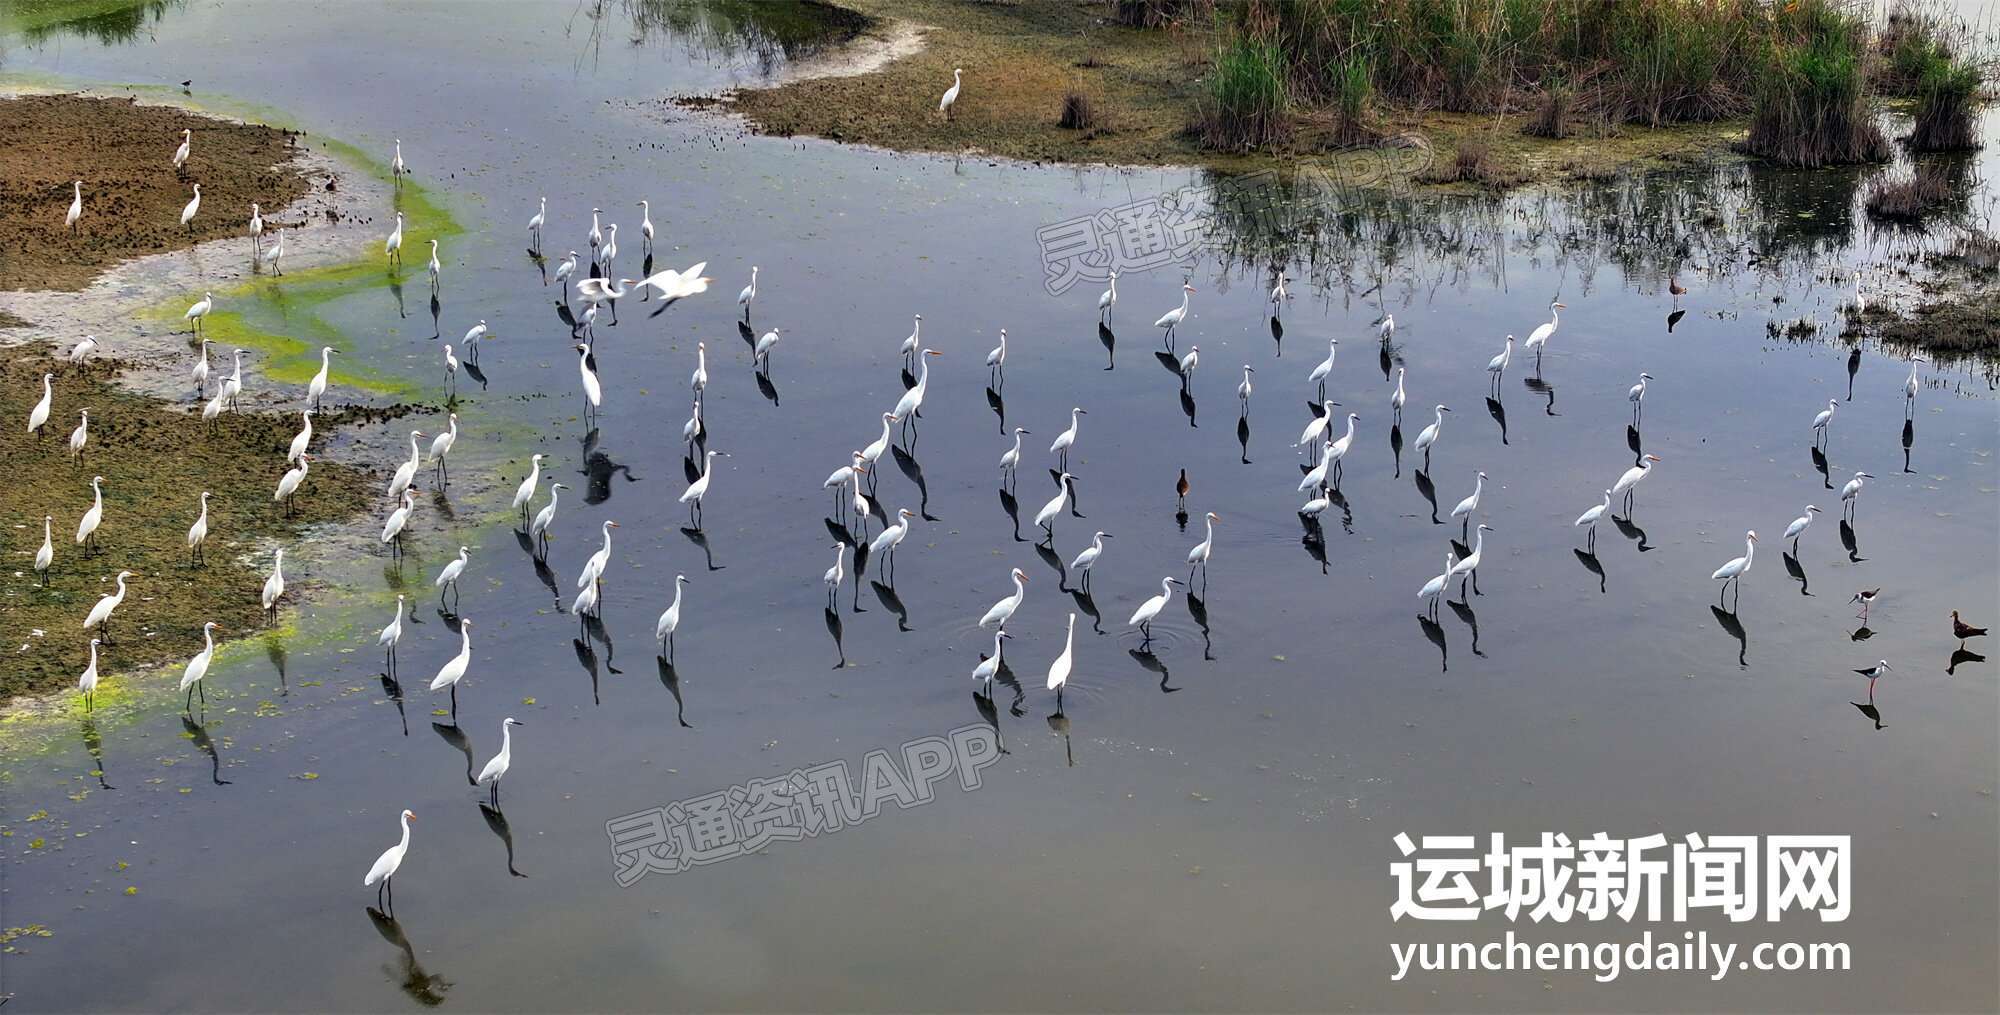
{"x":1964,"y":630}
{"x":1180,"y":491}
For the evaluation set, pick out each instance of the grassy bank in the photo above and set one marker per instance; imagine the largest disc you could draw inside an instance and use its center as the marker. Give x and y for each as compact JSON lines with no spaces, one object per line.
{"x":156,"y":460}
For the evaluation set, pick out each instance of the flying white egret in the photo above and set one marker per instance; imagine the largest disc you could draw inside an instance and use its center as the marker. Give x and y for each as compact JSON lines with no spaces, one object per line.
{"x":990,"y":666}
{"x":38,"y":416}
{"x":699,"y":379}
{"x":1463,"y":512}
{"x":490,"y":775}
{"x":1003,"y":610}
{"x":1737,"y":567}
{"x":836,"y":574}
{"x":46,"y":556}
{"x":81,"y":435}
{"x":1433,"y":590}
{"x":670,"y":620}
{"x":1325,"y":368}
{"x":406,"y":472}
{"x":526,"y":491}
{"x":100,"y":614}
{"x":399,"y":519}
{"x":453,"y":670}
{"x":1059,"y":669}
{"x":593,"y":390}
{"x":1067,"y":439}
{"x":86,"y":527}
{"x":913,"y":399}
{"x":193,"y":205}
{"x":884,"y":544}
{"x":1148,"y":611}
{"x":646,"y":225}
{"x":198,"y":310}
{"x":181,"y":153}
{"x":538,"y":530}
{"x":391,"y":634}
{"x":1109,"y":298}
{"x":593,"y":569}
{"x":304,"y":438}
{"x":274,"y":585}
{"x":380,"y":875}
{"x":197,"y":667}
{"x":393,"y":246}
{"x":288,"y":484}
{"x":698,"y":489}
{"x":1396,"y":400}
{"x":75,"y":208}
{"x":317,"y":388}
{"x":535,"y":223}
{"x":1628,"y":483}
{"x":1591,"y":517}
{"x":748,"y":294}
{"x":1825,"y":418}
{"x":1046,"y":517}
{"x":1799,"y":526}
{"x":200,"y":371}
{"x":1850,"y":494}
{"x":1172,"y":319}
{"x":950,"y":96}
{"x":1539,"y":338}
{"x":447,"y":579}
{"x":675,"y":285}
{"x":1198,"y":557}
{"x":1469,"y":567}
{"x":87,"y":681}
{"x":1244,"y":389}
{"x":912,"y":343}
{"x":82,"y":350}
{"x":1087,"y":559}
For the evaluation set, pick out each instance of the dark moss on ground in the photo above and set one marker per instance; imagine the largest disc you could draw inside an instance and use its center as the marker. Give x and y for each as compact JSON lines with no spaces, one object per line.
{"x":132,"y":198}
{"x":155,"y":461}
{"x":1957,"y":313}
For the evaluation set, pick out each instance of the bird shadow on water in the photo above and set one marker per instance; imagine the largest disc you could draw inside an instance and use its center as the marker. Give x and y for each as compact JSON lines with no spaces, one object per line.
{"x":1430,"y":494}
{"x":1545,"y":389}
{"x":914,"y":472}
{"x":1820,"y":466}
{"x":1848,"y":542}
{"x":1630,"y":530}
{"x":1960,"y":656}
{"x":835,"y":628}
{"x":541,"y":565}
{"x":1396,"y":451}
{"x":1591,"y":564}
{"x":1434,"y":633}
{"x":1151,"y":663}
{"x":274,"y":650}
{"x":1087,"y":605}
{"x":1733,"y":626}
{"x":670,"y":679}
{"x":1909,"y":439}
{"x":998,"y":403}
{"x":1110,"y":343}
{"x":700,"y":540}
{"x":206,"y":744}
{"x":1499,"y":414}
{"x":1868,"y":709}
{"x":894,"y":604}
{"x":427,"y":989}
{"x":1465,"y":615}
{"x":597,"y":470}
{"x":1243,"y":434}
{"x":454,"y":736}
{"x":93,"y":744}
{"x":1797,"y":571}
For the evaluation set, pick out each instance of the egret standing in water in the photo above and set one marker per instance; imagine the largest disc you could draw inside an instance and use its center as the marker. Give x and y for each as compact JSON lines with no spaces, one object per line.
{"x":317,"y":388}
{"x":393,"y":246}
{"x":1637,"y":396}
{"x":1825,"y":419}
{"x":396,"y":167}
{"x":1463,"y":512}
{"x":1279,"y":294}
{"x":749,"y":293}
{"x":910,"y":344}
{"x":699,"y":379}
{"x":1497,"y":366}
{"x":526,"y":491}
{"x":447,"y":578}
{"x":990,"y":666}
{"x":1733,"y":572}
{"x":699,"y":488}
{"x":1067,"y":439}
{"x":453,"y":671}
{"x":835,"y":575}
{"x":1628,"y":483}
{"x":670,"y":620}
{"x":564,"y":269}
{"x":1108,"y":299}
{"x":1003,"y":611}
{"x":1433,"y":590}
{"x":1396,"y":400}
{"x":1198,"y":557}
{"x":1046,"y":517}
{"x":886,"y":543}
{"x":406,"y":473}
{"x":535,"y":224}
{"x":1910,"y":386}
{"x":390,"y":635}
{"x":1088,"y":558}
{"x":760,"y":357}
{"x":384,"y":871}
{"x":1590,"y":518}
{"x":256,"y":229}
{"x":1469,"y":567}
{"x":1539,"y":338}
{"x":274,"y":586}
{"x":1010,"y":462}
{"x":1244,"y":389}
{"x":1172,"y":319}
{"x":645,"y":225}
{"x":1059,"y":670}
{"x":1429,"y":435}
{"x":399,"y":519}
{"x":1148,"y":611}
{"x":593,"y":391}
{"x":87,"y":681}
{"x":1188,"y":363}
{"x":200,"y":371}
{"x":913,"y":399}
{"x":1799,"y":526}
{"x":198,"y":310}
{"x":197,"y":667}
{"x":490,"y":775}
{"x":1325,"y":368}
{"x":538,"y":530}
{"x":441,"y":446}
{"x":996,"y":360}
{"x":1851,"y":493}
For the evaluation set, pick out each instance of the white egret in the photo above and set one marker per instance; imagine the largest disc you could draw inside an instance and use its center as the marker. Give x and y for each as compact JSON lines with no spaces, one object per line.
{"x":593,"y":569}
{"x":1087,"y":559}
{"x":670,"y":620}
{"x":1637,"y":396}
{"x":200,"y":371}
{"x":675,"y":285}
{"x":526,"y":491}
{"x":1003,"y":611}
{"x":256,"y":226}
{"x":912,"y":343}
{"x":1188,"y":363}
{"x":442,"y":443}
{"x":1538,"y":339}
{"x":317,"y":388}
{"x":211,"y":411}
{"x":396,"y":167}
{"x":82,"y":350}
{"x":100,"y":614}
{"x":86,"y":527}
{"x":391,"y":634}
{"x":609,"y":251}
{"x":181,"y":153}
{"x":1279,"y":293}
{"x":950,"y":96}
{"x":406,"y":472}
{"x":996,"y":360}
{"x":602,"y":291}
{"x":490,"y":775}
{"x":1316,"y":476}
{"x":193,"y":205}
{"x":1244,"y":389}
{"x":1628,"y":483}
{"x":1148,"y":611}
{"x":399,"y":519}
{"x":87,"y":681}
{"x":874,"y":451}
{"x":646,"y":225}
{"x":1497,"y":366}
{"x":304,"y":438}
{"x":288,"y":484}
{"x":197,"y":667}
{"x":79,"y":436}
{"x":1469,"y":567}
{"x":760,"y":356}
{"x":1387,"y":329}
{"x":1737,"y":567}
{"x":535,"y":223}
{"x":748,"y":294}
{"x":1396,"y":400}
{"x":586,"y":604}
{"x":1067,"y":439}
{"x":1433,"y":590}
{"x":1059,"y":669}
{"x":38,"y":416}
{"x":1463,"y":512}
{"x":453,"y":670}
{"x":1046,"y":517}
{"x":1198,"y":557}
{"x":1590,"y":518}
{"x":198,"y":310}
{"x":433,"y":267}
{"x":836,"y":574}
{"x":46,"y":556}
{"x":596,"y":231}
{"x":276,"y":254}
{"x":232,"y":385}
{"x":693,"y":429}
{"x":274,"y":585}
{"x":1825,"y":418}
{"x":884,"y":544}
{"x":837,"y":479}
{"x":447,"y":579}
{"x":385,"y":866}
{"x":699,"y":379}
{"x":75,"y":208}
{"x":860,"y":505}
{"x":1312,"y":509}
{"x":593,"y":390}
{"x":1172,"y":319}
{"x":990,"y":666}
{"x":913,"y":399}
{"x":538,"y":530}
{"x":564,"y":269}
{"x":393,"y":246}
{"x":1336,"y":451}
{"x":1109,"y":298}
{"x":699,"y":488}
{"x":1850,"y":494}
{"x":1799,"y":526}
{"x":1910,"y":386}
{"x":1325,"y":368}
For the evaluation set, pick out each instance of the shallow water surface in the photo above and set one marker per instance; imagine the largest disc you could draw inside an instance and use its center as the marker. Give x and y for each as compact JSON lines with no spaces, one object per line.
{"x":1210,"y":822}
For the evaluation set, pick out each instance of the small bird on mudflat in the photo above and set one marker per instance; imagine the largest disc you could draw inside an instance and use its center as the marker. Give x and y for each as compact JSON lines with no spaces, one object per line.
{"x":1181,"y":490}
{"x":1963,"y":630}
